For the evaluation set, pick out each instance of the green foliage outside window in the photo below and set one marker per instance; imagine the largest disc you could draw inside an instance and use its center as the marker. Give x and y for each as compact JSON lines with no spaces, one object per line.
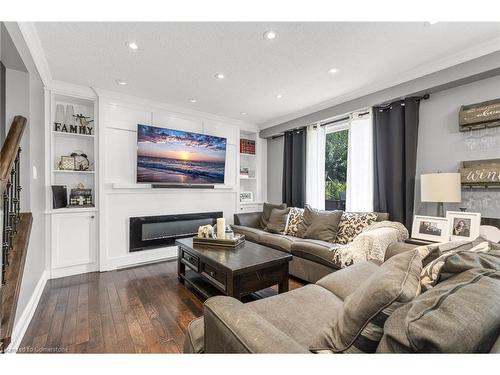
{"x":336,"y":164}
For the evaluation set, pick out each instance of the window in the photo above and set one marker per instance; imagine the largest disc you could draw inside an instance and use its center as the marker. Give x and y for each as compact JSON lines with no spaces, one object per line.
{"x":336,"y":151}
{"x":339,"y":164}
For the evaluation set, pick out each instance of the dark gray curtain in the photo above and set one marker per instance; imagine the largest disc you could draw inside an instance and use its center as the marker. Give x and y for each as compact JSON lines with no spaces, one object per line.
{"x":395,"y":135}
{"x":294,"y":168}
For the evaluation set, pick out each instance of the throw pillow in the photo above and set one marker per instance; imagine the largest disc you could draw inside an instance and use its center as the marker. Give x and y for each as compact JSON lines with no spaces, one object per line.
{"x":319,"y":225}
{"x":295,"y":217}
{"x":431,"y":273}
{"x":352,"y":224}
{"x":266,"y":212}
{"x":278,"y":221}
{"x":359,"y":326}
{"x":458,"y":315}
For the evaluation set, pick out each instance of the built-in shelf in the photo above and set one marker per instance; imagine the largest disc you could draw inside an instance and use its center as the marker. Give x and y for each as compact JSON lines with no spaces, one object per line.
{"x":73,"y":135}
{"x":244,"y":154}
{"x":249,"y":203}
{"x":73,"y":172}
{"x":247,"y":178}
{"x":71,"y":210}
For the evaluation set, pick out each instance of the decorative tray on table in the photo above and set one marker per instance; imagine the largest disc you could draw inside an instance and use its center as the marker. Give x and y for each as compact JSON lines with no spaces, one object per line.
{"x":238,"y":240}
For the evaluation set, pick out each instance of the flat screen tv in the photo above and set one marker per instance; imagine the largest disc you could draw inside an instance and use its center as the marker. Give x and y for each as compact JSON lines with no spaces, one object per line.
{"x":167,"y":156}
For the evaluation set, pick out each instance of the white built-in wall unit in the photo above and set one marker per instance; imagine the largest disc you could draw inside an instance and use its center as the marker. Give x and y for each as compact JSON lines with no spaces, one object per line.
{"x":73,"y":230}
{"x":251,"y":172}
{"x":89,"y":239}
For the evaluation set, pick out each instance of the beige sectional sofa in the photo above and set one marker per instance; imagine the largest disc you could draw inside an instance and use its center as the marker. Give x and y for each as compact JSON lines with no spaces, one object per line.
{"x":312,"y":258}
{"x":458,"y":315}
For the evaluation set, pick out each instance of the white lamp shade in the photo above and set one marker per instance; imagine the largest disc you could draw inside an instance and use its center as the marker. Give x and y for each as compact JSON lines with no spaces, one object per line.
{"x":440,"y":187}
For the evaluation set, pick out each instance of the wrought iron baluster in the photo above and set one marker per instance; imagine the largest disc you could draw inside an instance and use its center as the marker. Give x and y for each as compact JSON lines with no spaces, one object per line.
{"x":5,"y":233}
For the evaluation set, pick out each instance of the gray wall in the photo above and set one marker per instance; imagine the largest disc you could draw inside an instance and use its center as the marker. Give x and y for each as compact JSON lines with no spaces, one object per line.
{"x":34,"y":155}
{"x":18,"y":103}
{"x":441,"y":147}
{"x":274,"y":169}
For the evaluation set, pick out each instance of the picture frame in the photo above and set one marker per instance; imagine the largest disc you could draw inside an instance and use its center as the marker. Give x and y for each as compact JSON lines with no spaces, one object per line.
{"x":464,"y":226}
{"x":430,"y":228}
{"x":67,"y":163}
{"x":246,"y":196}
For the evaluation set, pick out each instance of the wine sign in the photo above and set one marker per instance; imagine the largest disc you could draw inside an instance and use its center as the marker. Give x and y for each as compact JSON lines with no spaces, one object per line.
{"x":480,"y":172}
{"x":479,"y":115}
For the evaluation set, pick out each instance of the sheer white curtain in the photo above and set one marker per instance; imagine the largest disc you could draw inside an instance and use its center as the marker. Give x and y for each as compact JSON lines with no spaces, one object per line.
{"x":359,"y":194}
{"x":315,"y":166}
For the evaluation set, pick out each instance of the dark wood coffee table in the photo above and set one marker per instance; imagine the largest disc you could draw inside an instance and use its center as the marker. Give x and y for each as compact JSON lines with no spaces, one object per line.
{"x":233,"y":272}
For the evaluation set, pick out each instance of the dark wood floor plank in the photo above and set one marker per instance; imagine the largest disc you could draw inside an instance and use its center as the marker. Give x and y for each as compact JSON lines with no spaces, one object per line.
{"x":143,"y":309}
{"x":82,"y":317}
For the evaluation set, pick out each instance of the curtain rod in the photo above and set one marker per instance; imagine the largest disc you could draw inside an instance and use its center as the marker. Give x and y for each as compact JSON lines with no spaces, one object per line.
{"x":341,"y":119}
{"x":387,"y":105}
{"x":345,"y":118}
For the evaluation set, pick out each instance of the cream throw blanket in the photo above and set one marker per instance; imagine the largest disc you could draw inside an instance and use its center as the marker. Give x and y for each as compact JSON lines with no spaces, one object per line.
{"x":371,"y":243}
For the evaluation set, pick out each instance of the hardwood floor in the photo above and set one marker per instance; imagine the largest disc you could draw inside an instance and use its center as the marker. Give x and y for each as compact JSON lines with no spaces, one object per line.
{"x":135,"y":310}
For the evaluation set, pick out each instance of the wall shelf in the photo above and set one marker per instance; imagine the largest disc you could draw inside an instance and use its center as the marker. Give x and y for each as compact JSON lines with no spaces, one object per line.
{"x":71,"y":210}
{"x":73,"y":172}
{"x":73,"y":135}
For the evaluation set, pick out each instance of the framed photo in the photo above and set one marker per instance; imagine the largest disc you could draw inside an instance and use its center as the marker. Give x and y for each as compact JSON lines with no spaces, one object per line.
{"x":246,"y":196}
{"x":430,"y":228}
{"x":67,"y":163}
{"x":463,"y":225}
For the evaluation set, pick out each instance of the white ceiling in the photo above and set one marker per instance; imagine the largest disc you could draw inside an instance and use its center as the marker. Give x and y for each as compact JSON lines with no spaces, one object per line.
{"x":177,"y":61}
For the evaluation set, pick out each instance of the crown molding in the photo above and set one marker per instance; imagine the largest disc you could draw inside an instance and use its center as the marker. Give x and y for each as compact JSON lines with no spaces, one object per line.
{"x":30,"y":35}
{"x":484,"y":48}
{"x":181,"y":111}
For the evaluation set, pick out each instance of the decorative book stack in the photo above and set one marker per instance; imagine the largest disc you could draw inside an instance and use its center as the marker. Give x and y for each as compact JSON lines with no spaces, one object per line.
{"x":247,"y":146}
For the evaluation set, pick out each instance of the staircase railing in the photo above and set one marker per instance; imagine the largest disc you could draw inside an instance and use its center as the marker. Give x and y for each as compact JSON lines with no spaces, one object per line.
{"x":16,"y":228}
{"x":10,"y":187}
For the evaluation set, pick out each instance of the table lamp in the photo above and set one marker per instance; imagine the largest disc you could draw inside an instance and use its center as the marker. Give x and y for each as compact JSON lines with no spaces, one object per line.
{"x":440,"y":188}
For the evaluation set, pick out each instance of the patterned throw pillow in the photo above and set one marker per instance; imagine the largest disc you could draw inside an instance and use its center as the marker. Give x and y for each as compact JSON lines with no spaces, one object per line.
{"x":431,"y":273}
{"x":359,"y":326}
{"x":295,"y":217}
{"x":352,"y":224}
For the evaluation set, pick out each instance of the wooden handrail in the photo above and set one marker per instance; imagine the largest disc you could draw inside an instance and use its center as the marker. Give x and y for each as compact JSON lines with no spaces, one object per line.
{"x":9,"y":150}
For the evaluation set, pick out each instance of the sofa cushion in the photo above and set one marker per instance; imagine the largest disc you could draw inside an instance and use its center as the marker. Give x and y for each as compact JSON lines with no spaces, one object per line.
{"x":352,"y":224}
{"x":251,"y":234}
{"x":316,"y":250}
{"x":319,"y":225}
{"x":359,"y":325}
{"x":300,"y":313}
{"x":277,"y":241}
{"x":345,"y":281}
{"x":295,"y":217}
{"x":278,"y":221}
{"x":266,"y":212}
{"x":459,"y":315}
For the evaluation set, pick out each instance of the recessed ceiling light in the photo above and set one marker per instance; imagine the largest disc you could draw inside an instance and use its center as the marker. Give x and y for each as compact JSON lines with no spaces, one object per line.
{"x":121,"y":82}
{"x":333,"y":70}
{"x":433,"y":22}
{"x":270,"y":35}
{"x":192,"y":100}
{"x":219,"y":76}
{"x":279,"y":96}
{"x":243,"y":113}
{"x":132,"y":45}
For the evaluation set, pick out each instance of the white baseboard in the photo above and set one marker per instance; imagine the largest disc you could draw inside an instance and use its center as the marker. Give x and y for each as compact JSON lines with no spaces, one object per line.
{"x":72,"y":270}
{"x":139,"y":257}
{"x":26,"y":316}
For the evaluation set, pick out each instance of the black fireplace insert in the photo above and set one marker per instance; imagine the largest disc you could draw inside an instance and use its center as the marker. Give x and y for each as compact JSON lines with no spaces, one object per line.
{"x":149,"y":232}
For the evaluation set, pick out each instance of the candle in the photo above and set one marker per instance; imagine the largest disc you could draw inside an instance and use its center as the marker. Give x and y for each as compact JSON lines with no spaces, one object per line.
{"x":221,"y":227}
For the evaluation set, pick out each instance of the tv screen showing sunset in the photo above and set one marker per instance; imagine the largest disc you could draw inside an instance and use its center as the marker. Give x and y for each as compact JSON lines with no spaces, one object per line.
{"x":175,"y":156}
